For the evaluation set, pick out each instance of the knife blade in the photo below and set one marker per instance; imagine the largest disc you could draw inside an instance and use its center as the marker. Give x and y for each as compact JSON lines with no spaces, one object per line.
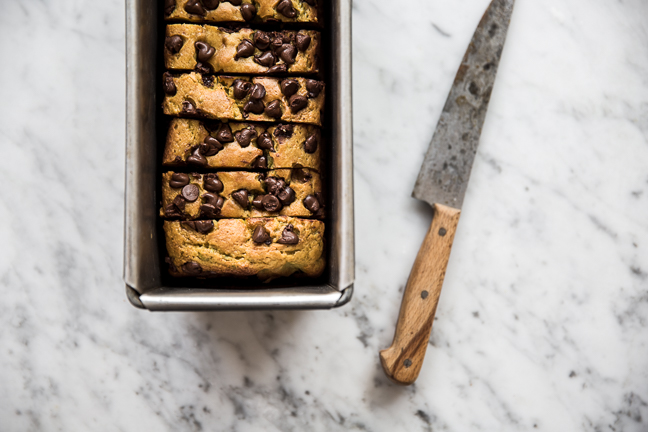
{"x":442,"y":183}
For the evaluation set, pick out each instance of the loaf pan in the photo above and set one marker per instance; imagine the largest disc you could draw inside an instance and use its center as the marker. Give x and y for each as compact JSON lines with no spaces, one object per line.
{"x":147,"y":283}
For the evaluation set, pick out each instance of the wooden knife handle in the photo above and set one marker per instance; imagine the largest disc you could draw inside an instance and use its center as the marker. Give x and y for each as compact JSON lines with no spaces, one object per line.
{"x":402,"y":361}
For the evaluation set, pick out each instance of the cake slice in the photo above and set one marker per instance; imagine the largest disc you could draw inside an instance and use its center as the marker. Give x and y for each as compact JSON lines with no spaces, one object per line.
{"x":297,"y":100}
{"x":242,"y":194}
{"x":265,"y":247}
{"x":210,"y":49}
{"x":257,"y":11}
{"x":214,"y":144}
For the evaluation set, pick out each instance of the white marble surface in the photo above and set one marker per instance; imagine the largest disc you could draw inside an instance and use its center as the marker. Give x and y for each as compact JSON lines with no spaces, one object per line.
{"x":543,"y":321}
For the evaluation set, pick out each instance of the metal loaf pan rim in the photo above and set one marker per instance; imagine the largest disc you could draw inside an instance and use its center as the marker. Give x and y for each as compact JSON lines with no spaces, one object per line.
{"x":142,"y":272}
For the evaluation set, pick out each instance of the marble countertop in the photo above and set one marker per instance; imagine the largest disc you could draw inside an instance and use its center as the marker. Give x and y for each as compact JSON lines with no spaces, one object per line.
{"x":543,"y":320}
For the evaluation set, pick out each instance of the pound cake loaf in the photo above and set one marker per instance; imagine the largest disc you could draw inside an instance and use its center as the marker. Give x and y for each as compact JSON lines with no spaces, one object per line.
{"x":213,"y":144}
{"x":257,"y":11}
{"x":210,"y":49}
{"x":242,"y":194}
{"x":297,"y":100}
{"x":265,"y":247}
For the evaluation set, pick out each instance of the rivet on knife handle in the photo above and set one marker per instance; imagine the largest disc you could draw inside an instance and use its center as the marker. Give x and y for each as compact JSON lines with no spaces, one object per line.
{"x":442,"y":183}
{"x":402,"y":361}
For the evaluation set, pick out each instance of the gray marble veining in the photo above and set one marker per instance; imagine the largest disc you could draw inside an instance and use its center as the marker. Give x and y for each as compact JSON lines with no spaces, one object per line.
{"x":543,"y":321}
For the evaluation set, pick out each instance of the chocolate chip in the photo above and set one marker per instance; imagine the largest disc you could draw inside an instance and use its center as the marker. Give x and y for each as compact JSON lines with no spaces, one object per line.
{"x":283,"y":131}
{"x":314,"y":87}
{"x":311,"y":203}
{"x":197,"y":158}
{"x":196,"y":176}
{"x":264,"y":142}
{"x":241,"y":197}
{"x":245,"y":136}
{"x":235,"y":2}
{"x":179,"y":202}
{"x":176,"y":208}
{"x":192,"y":268}
{"x":224,"y":134}
{"x":178,"y":180}
{"x":208,"y":211}
{"x":286,"y":196}
{"x":173,"y":43}
{"x":277,"y":69}
{"x":188,"y":108}
{"x":261,"y":39}
{"x":271,"y":203}
{"x":211,"y":125}
{"x":257,"y":202}
{"x":254,"y":106}
{"x":168,"y":84}
{"x":248,"y":11}
{"x":188,"y":225}
{"x":288,"y":236}
{"x":310,"y":145}
{"x":261,"y":235}
{"x":281,"y":184}
{"x":310,"y":2}
{"x":213,"y":142}
{"x":274,"y":185}
{"x":286,"y":9}
{"x":210,"y":146}
{"x":266,"y":59}
{"x":271,"y":183}
{"x":241,"y":88}
{"x":208,"y":80}
{"x":302,"y":41}
{"x":210,"y":4}
{"x":205,"y":69}
{"x":297,"y":103}
{"x":191,"y":192}
{"x":213,"y":200}
{"x":301,"y":175}
{"x":206,"y":149}
{"x":244,"y":49}
{"x":260,"y":162}
{"x":172,"y":212}
{"x":274,"y":109}
{"x":277,"y":41}
{"x":169,"y":6}
{"x":204,"y":51}
{"x":194,"y":7}
{"x":288,"y":53}
{"x":258,"y":91}
{"x":212,"y":183}
{"x":289,"y":87}
{"x":204,"y":227}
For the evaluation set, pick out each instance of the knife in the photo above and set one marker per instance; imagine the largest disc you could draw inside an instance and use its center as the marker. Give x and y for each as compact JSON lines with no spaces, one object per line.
{"x":442,"y":183}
